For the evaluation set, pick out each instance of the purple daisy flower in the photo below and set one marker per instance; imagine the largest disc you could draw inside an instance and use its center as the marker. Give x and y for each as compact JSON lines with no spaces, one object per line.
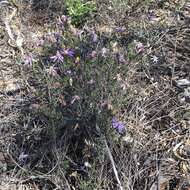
{"x":104,"y":51}
{"x":139,"y":47}
{"x":94,"y":37}
{"x":41,"y":41}
{"x":152,"y":16}
{"x":57,"y":38}
{"x":62,"y":21}
{"x":79,"y":33}
{"x":68,"y":72}
{"x":57,"y":58}
{"x":120,"y":29}
{"x":118,"y":125}
{"x":92,"y":54}
{"x":28,"y":60}
{"x":120,"y":58}
{"x":53,"y":71}
{"x":23,"y":157}
{"x":64,"y":18}
{"x":69,"y":52}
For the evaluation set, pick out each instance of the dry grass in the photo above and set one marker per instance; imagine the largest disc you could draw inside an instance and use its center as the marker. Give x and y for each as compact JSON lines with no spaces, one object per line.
{"x":154,"y":152}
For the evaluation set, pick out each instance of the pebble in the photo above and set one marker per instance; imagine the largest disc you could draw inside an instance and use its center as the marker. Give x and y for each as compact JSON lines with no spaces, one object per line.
{"x":183,"y":82}
{"x":9,"y":86}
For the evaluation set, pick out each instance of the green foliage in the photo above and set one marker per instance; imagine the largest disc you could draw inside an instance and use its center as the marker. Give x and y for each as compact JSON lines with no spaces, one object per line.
{"x":78,"y":10}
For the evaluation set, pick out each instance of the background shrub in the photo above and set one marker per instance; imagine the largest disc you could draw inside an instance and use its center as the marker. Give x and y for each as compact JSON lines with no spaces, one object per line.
{"x":79,"y":10}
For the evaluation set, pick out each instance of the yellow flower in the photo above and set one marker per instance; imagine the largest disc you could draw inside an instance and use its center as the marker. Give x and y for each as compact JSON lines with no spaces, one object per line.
{"x":77,"y":60}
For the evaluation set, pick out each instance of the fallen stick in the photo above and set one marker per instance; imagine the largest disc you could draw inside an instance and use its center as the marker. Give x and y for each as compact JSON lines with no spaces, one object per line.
{"x":113,"y":165}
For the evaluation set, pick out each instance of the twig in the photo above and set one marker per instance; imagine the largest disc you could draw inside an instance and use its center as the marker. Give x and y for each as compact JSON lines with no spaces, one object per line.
{"x":4,"y":2}
{"x":113,"y":165}
{"x":17,"y":43}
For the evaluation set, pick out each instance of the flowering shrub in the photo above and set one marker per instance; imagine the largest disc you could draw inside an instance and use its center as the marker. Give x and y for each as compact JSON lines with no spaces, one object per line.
{"x":77,"y":76}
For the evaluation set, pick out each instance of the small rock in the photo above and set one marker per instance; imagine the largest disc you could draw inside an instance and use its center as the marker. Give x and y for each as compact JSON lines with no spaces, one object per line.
{"x":12,"y":87}
{"x":87,"y":164}
{"x":9,"y":86}
{"x":187,"y":92}
{"x":183,"y":82}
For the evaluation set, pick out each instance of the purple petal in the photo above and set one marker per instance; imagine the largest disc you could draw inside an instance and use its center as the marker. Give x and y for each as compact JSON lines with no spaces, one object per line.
{"x":58,"y":57}
{"x":94,"y":37}
{"x":22,"y":157}
{"x":64,"y":18}
{"x":120,"y":29}
{"x":118,"y":126}
{"x":69,"y":52}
